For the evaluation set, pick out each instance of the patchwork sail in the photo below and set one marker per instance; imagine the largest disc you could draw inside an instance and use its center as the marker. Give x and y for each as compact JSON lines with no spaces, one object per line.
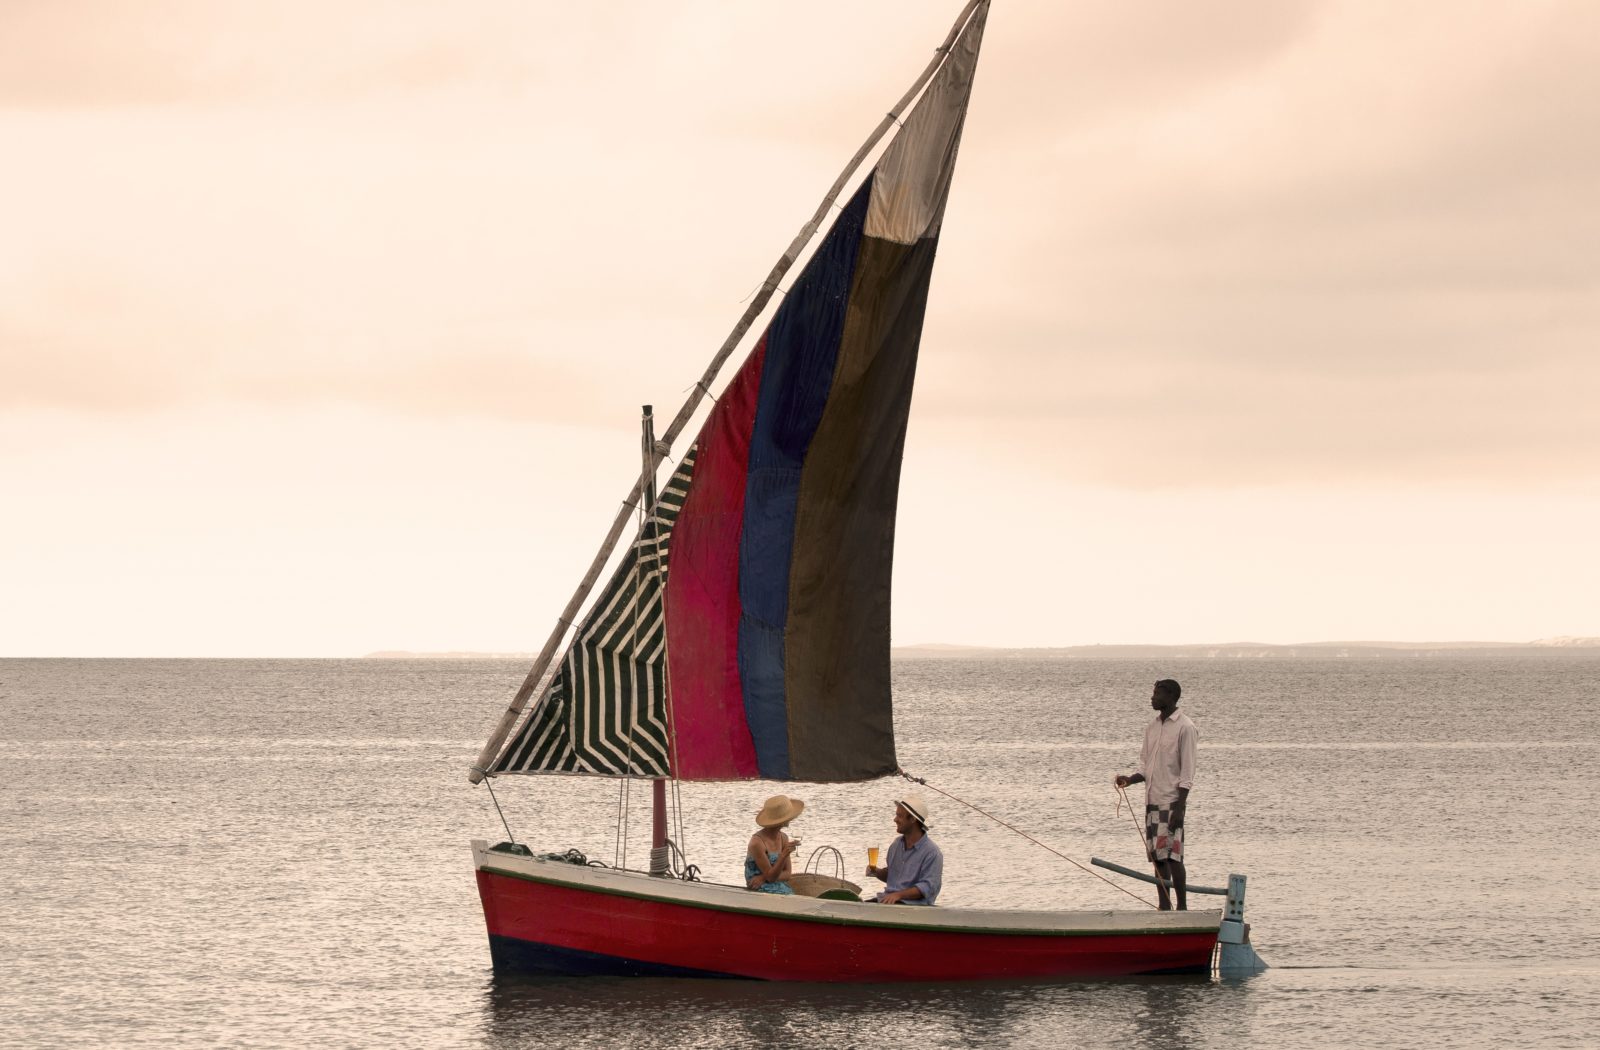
{"x":767,"y":617}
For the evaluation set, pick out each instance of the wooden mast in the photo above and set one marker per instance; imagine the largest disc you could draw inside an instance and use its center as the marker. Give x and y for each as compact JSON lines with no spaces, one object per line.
{"x":659,"y":863}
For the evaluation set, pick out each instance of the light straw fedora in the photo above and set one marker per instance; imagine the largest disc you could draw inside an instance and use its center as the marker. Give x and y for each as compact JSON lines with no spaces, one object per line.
{"x":780,"y":809}
{"x":917,"y":806}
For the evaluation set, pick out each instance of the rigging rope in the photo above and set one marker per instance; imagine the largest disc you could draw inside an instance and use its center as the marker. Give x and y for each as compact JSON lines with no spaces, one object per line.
{"x":677,"y":816}
{"x":619,"y":857}
{"x":976,"y":809}
{"x":488,"y":783}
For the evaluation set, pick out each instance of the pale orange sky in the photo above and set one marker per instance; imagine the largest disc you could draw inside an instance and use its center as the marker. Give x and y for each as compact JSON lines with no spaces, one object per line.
{"x":323,"y":327}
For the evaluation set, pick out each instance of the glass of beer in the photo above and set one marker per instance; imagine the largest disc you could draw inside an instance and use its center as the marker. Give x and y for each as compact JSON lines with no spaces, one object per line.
{"x":872,"y":856}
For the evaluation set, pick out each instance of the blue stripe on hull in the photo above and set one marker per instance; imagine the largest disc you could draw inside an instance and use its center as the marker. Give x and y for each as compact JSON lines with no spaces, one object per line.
{"x":511,"y":955}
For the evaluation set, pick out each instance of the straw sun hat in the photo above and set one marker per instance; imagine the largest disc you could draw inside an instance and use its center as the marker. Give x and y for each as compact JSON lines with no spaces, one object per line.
{"x":780,"y":809}
{"x":917,"y":806}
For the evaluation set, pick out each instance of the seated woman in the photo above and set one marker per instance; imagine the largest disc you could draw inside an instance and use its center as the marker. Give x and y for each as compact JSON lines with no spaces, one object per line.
{"x":767,"y":860}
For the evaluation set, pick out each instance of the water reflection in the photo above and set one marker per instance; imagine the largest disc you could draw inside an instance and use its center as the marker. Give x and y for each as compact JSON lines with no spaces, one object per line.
{"x":1172,"y":1012}
{"x":1165,"y":1015}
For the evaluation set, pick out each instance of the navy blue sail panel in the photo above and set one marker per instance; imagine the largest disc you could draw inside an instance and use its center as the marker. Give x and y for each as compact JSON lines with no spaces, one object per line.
{"x":802,"y":348}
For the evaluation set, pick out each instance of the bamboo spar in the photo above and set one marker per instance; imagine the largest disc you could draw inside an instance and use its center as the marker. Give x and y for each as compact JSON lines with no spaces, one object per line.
{"x":491,"y":750}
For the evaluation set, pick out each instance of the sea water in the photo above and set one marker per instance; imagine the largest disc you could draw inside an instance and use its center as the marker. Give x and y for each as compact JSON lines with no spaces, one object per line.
{"x":274,"y":853}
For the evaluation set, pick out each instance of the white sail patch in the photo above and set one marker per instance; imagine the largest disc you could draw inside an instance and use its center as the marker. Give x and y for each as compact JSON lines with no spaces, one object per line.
{"x":912,"y":178}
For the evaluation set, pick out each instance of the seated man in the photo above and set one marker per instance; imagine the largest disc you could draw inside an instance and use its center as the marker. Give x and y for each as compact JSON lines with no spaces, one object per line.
{"x":915,"y":868}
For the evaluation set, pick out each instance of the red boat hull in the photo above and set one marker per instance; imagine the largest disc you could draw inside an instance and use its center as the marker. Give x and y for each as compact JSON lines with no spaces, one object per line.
{"x":544,"y":925}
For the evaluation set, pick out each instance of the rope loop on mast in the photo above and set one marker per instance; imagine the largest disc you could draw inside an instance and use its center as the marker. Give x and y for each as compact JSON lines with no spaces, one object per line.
{"x":1016,"y":830}
{"x":674,"y":861}
{"x":770,"y":284}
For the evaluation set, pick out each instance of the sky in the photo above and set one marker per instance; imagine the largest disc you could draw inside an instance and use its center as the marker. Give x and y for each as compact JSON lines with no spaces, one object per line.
{"x":324,"y":326}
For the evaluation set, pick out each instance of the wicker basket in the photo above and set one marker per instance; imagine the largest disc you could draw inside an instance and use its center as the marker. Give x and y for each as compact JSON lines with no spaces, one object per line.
{"x":810,"y":884}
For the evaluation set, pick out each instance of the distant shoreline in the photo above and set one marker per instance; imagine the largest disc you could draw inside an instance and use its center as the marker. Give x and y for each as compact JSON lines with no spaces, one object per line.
{"x":1215,"y":651}
{"x":1552,"y":649}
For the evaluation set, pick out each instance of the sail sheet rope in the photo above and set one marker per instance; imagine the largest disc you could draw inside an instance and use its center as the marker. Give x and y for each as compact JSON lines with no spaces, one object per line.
{"x":1013,"y":828}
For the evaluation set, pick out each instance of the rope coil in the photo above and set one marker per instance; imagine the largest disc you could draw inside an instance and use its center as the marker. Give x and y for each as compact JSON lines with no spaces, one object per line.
{"x":1133,"y":814}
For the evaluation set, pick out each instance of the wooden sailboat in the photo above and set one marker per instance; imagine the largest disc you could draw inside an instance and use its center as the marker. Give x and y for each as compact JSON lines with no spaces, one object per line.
{"x":745,"y":633}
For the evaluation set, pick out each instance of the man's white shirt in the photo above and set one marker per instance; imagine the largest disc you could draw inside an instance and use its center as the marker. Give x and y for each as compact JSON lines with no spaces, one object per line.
{"x":1167,"y":758}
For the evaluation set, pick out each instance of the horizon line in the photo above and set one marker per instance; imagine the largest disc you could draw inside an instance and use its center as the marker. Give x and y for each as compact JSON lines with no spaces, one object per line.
{"x":1557,"y":642}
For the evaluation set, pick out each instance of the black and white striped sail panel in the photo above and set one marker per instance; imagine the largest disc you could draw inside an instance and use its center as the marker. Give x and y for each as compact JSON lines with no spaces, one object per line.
{"x":605,"y":712}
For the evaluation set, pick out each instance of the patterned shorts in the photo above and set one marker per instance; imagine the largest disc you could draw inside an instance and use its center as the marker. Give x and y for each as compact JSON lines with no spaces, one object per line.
{"x":1161,"y":841}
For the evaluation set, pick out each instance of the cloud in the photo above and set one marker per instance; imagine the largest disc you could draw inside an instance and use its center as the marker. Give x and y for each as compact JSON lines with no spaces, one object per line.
{"x":1362,"y":253}
{"x":294,"y":293}
{"x":208,"y":53}
{"x":1224,"y":245}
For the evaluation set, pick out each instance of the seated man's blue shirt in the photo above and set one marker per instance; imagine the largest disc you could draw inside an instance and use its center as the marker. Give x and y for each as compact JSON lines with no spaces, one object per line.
{"x":921,"y":866}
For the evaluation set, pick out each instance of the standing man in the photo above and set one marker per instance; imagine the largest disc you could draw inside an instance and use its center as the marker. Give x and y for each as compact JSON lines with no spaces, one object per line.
{"x":915,"y":868}
{"x":1166,"y":766}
